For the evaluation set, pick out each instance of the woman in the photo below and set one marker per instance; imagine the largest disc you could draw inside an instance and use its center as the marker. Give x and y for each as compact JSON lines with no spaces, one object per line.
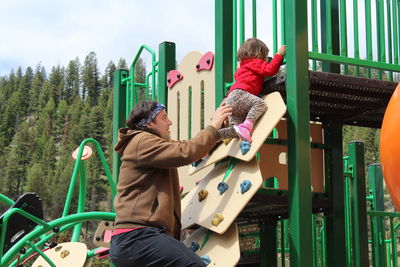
{"x":147,"y":225}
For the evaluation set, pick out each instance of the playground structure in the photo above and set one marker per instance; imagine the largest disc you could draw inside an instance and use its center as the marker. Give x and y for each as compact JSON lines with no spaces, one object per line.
{"x":311,"y":208}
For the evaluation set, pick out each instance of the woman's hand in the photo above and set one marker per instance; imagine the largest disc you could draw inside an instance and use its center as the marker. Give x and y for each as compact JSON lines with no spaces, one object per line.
{"x":220,"y":116}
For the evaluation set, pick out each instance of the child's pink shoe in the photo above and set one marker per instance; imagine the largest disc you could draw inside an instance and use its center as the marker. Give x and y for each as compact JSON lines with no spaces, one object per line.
{"x":244,"y":130}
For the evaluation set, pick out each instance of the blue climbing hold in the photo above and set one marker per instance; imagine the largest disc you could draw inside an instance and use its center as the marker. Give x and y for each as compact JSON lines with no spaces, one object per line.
{"x":194,"y":246}
{"x":222,"y":187}
{"x":196,"y":163}
{"x":245,"y":186}
{"x":245,"y":147}
{"x":206,"y":259}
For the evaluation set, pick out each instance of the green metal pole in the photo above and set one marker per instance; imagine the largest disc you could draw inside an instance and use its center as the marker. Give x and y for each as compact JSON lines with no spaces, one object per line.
{"x":314,"y":241}
{"x":234,"y":37}
{"x":6,"y":200}
{"x":395,"y":33}
{"x":314,"y":25}
{"x":368,"y":33}
{"x":283,"y":247}
{"x":335,"y":221}
{"x":375,"y":183}
{"x":81,"y":200}
{"x":283,"y":22}
{"x":167,"y":58}
{"x":254,"y":17}
{"x":41,"y":253}
{"x":389,"y":36}
{"x":118,"y":115}
{"x":223,"y":47}
{"x":348,"y":218}
{"x":393,"y":240}
{"x":297,"y":97}
{"x":343,"y":32}
{"x":323,"y":243}
{"x":380,"y":29}
{"x":358,"y":204}
{"x":330,"y":29}
{"x":275,"y":26}
{"x":242,"y":29}
{"x":355,"y":29}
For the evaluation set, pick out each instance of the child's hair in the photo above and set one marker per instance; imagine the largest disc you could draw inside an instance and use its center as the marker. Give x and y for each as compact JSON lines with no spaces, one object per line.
{"x":252,"y":48}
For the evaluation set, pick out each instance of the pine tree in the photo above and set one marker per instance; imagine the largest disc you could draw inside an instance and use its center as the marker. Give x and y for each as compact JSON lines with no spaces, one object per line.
{"x":18,"y":160}
{"x":90,"y":79}
{"x":56,"y":81}
{"x":25,"y":88}
{"x":72,"y":81}
{"x":122,"y":64}
{"x":37,"y":84}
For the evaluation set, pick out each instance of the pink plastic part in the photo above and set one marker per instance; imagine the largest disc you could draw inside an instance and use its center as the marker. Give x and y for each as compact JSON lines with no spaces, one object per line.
{"x":180,"y":189}
{"x":173,"y":77}
{"x":206,"y":62}
{"x":87,"y":153}
{"x":103,"y":252}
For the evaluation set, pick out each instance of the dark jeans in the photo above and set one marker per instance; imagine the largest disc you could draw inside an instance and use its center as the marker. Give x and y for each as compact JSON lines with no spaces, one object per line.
{"x":150,"y":246}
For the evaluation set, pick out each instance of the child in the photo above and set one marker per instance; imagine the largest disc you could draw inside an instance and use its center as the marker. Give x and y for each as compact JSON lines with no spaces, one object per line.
{"x":249,"y":78}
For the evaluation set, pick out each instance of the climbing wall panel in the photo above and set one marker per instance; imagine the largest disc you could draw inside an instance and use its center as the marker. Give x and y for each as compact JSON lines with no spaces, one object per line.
{"x":262,"y":129}
{"x":216,"y":205}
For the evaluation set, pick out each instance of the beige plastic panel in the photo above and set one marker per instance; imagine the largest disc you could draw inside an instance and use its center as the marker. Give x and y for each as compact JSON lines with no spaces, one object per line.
{"x":189,"y":181}
{"x":273,"y":158}
{"x":178,"y":97}
{"x":229,"y":204}
{"x":263,"y":128}
{"x":223,"y":250}
{"x":103,"y":233}
{"x":74,"y":255}
{"x":179,"y":100}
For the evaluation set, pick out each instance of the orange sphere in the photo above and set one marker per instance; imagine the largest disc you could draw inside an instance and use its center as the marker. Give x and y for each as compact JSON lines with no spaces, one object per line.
{"x":390,"y":147}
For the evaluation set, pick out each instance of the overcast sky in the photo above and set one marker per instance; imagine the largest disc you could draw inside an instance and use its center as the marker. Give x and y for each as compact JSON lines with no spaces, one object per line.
{"x":53,"y":32}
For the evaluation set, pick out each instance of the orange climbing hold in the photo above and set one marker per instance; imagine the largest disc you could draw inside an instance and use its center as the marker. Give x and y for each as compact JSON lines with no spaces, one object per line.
{"x":87,"y":153}
{"x":390,"y":147}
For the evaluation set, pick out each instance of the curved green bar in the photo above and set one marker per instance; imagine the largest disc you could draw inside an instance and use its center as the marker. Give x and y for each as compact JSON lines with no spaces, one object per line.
{"x":42,"y":229}
{"x":6,"y":200}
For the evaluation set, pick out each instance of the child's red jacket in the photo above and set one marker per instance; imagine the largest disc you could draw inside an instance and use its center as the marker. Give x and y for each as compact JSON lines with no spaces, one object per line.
{"x":251,"y":73}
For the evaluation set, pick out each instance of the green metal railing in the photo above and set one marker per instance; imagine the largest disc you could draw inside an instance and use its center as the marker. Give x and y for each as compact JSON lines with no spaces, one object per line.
{"x":6,"y":200}
{"x":43,"y":231}
{"x":66,"y":222}
{"x":80,"y":168}
{"x":380,"y":51}
{"x":388,"y":239}
{"x":132,"y":95}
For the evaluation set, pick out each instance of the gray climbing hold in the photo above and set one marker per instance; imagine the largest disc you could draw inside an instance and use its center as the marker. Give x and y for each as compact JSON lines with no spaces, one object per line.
{"x":196,"y":163}
{"x":194,"y":246}
{"x":206,"y":259}
{"x":245,"y":186}
{"x":222,"y":187}
{"x":245,"y":147}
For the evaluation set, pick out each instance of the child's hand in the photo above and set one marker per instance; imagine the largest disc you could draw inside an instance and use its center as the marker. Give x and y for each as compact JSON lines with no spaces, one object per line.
{"x":282,"y":50}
